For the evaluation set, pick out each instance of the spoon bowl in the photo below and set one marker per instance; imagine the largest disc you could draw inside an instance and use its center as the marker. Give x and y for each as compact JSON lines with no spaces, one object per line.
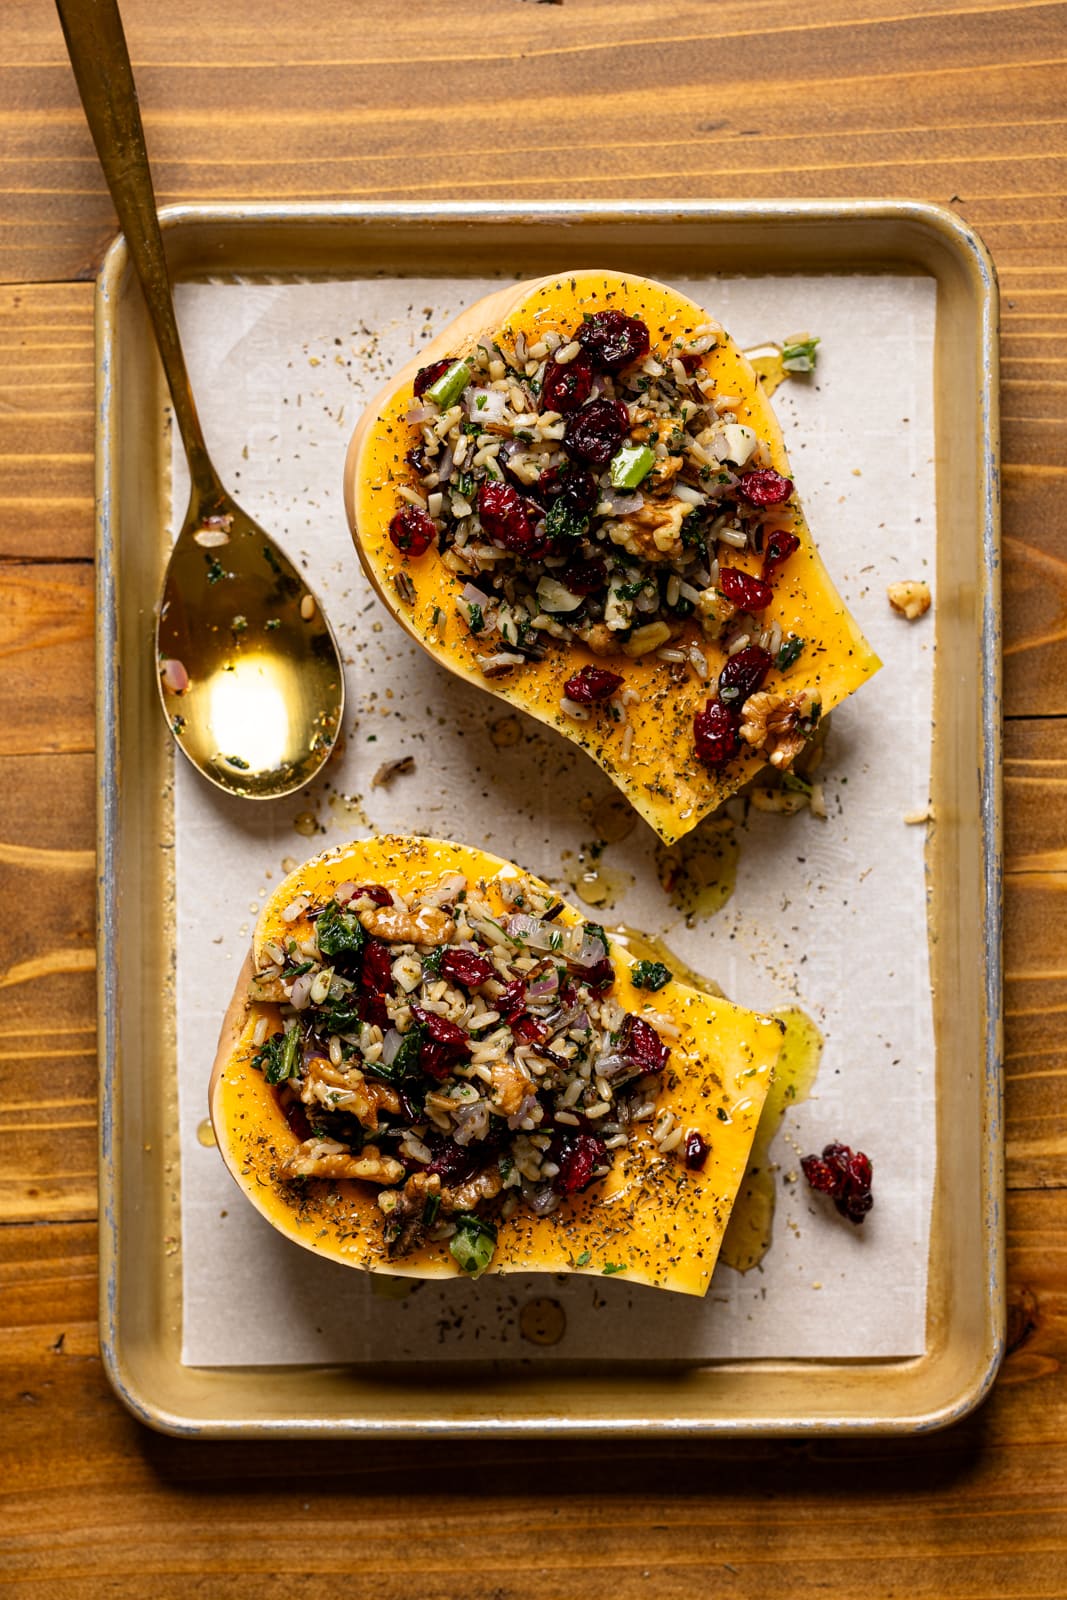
{"x":249,"y":672}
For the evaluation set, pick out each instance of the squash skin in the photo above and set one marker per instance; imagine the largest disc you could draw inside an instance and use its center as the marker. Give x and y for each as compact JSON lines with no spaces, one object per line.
{"x":666,"y":1234}
{"x":663,"y":778}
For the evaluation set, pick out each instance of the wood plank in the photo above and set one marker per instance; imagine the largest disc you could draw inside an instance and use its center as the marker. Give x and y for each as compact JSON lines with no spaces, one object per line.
{"x":948,"y":1516}
{"x":46,"y":420}
{"x":560,"y":106}
{"x":47,"y":998}
{"x":46,"y":648}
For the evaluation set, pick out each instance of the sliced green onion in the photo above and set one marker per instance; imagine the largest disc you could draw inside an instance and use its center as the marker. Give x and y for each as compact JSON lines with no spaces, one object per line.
{"x":631,"y":465}
{"x":450,"y":385}
{"x":800,"y":357}
{"x":473,"y":1243}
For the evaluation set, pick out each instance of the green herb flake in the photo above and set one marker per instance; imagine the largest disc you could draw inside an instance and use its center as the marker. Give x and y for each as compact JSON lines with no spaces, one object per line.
{"x":789,"y":653}
{"x":583,"y":1259}
{"x":215,"y":570}
{"x":611,"y":1267}
{"x":475,"y":619}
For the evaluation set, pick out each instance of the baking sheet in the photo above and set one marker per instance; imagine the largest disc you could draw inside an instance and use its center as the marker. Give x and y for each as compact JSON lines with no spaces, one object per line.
{"x":829,"y":915}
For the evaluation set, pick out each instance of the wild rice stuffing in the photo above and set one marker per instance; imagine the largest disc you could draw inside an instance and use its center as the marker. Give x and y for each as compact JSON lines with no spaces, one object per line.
{"x":464,"y":1062}
{"x":593,"y":488}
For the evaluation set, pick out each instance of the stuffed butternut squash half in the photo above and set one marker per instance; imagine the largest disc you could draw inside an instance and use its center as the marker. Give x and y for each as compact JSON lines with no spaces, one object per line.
{"x":432,"y":1066}
{"x":578,"y":497}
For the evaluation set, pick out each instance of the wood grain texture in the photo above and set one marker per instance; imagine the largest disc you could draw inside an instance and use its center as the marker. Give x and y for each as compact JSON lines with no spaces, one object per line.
{"x":960,"y":103}
{"x":972,"y":1512}
{"x":46,"y":420}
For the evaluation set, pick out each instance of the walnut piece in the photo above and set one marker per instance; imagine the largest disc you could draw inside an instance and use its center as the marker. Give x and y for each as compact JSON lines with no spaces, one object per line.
{"x":339,"y":1089}
{"x":778,"y":724}
{"x":654,"y":533}
{"x":510,"y":1086}
{"x":325,"y":1158}
{"x":909,"y":599}
{"x":600,"y":639}
{"x":427,"y":925}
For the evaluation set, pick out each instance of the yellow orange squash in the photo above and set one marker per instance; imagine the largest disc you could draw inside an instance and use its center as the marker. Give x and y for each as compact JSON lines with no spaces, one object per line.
{"x":645,"y":740}
{"x":652,"y":1218}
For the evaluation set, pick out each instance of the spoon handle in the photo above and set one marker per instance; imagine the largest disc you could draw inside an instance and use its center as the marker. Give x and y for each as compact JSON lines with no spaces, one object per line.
{"x":97,"y":48}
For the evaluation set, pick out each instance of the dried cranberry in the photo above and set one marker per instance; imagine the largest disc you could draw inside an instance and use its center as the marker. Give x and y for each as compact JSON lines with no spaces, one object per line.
{"x":377,"y":966}
{"x":600,"y":977}
{"x":595,"y":432}
{"x":764,"y":487}
{"x":296,"y":1116}
{"x":779,"y":548}
{"x":527,"y":1030}
{"x":743,"y":674}
{"x":454,"y":1163}
{"x":565,"y":388}
{"x":466,"y":967}
{"x":427,"y":376}
{"x":845,"y":1176}
{"x":512,"y":999}
{"x":613,"y":339}
{"x":442,"y":1031}
{"x":591,"y":685}
{"x":376,"y":892}
{"x":573,"y":485}
{"x":697,"y":1150}
{"x":578,"y":1157}
{"x":419,"y":459}
{"x":641,"y":1043}
{"x":689,"y":360}
{"x":412,"y":531}
{"x":585,"y":577}
{"x":715,"y":733}
{"x":743,"y":590}
{"x":504,"y":516}
{"x":374,"y":1009}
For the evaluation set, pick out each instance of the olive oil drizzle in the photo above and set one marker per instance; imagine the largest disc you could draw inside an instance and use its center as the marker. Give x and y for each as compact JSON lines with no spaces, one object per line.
{"x":750,"y":1230}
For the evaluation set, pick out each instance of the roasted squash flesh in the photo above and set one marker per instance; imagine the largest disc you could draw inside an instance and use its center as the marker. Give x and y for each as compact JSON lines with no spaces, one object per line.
{"x":503,"y":1092}
{"x":597,"y":558}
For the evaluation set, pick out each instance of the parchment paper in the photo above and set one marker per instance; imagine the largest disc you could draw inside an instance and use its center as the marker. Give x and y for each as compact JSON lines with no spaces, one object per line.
{"x":829,"y":915}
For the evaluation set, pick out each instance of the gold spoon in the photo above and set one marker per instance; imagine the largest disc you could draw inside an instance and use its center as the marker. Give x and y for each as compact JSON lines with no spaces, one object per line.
{"x":250,"y":674}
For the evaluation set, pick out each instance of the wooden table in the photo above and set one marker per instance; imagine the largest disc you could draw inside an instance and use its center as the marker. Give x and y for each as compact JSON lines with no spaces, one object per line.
{"x":929,"y":99}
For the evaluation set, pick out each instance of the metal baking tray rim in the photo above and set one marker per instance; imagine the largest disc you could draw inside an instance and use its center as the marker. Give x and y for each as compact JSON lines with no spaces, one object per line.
{"x":955,"y":255}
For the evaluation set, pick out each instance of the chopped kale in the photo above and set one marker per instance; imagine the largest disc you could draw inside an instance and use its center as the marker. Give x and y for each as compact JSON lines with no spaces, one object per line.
{"x":340,"y":935}
{"x":563,"y":522}
{"x":650,"y":975}
{"x":278,"y":1057}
